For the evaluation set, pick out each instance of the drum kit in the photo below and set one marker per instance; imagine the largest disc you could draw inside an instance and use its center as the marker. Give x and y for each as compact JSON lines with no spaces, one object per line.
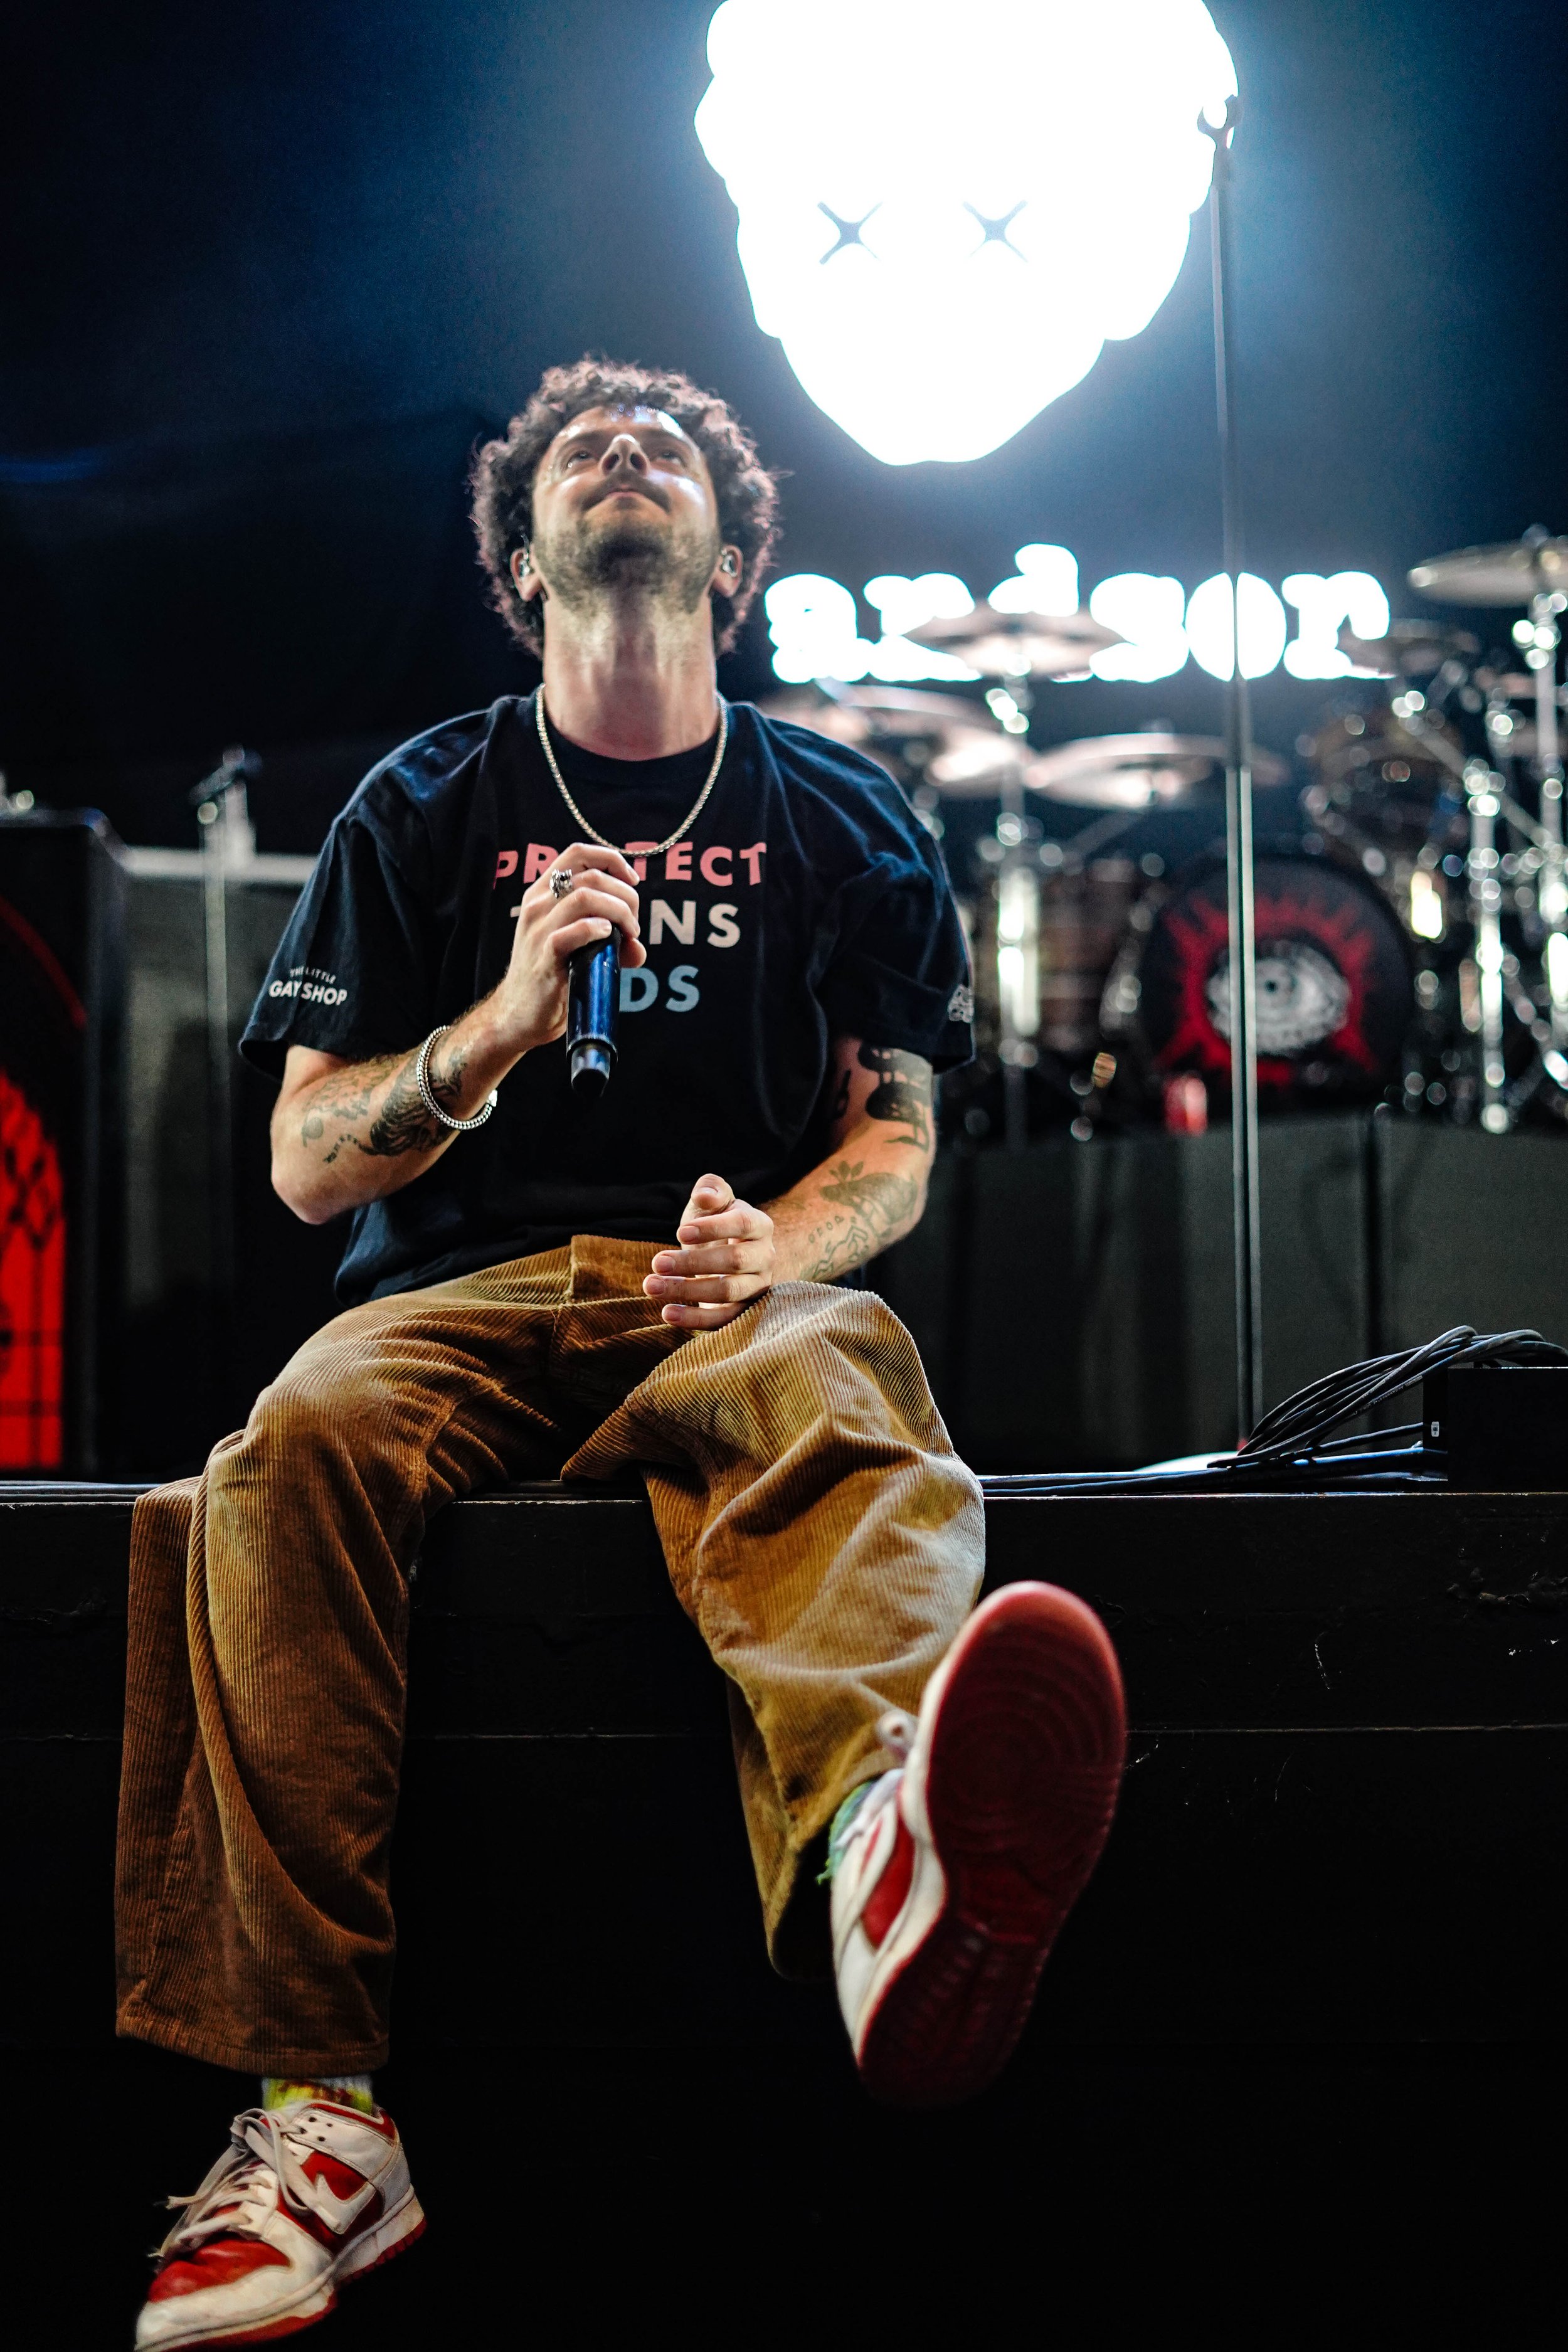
{"x":1412,"y":913}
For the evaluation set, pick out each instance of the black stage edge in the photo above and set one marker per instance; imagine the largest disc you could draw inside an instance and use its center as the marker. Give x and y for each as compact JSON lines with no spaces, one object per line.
{"x":1346,"y":1780}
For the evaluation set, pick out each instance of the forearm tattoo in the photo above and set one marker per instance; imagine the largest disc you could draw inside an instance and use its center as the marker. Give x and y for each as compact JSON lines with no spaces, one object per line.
{"x":341,"y":1106}
{"x":902,"y":1092}
{"x":868,"y":1212}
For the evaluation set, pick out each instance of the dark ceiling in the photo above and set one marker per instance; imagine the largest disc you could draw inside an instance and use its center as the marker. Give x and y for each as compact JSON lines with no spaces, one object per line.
{"x":269,"y":270}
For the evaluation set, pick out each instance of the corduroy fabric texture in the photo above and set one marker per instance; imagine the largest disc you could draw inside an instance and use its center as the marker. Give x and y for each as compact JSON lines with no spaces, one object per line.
{"x":819,"y":1531}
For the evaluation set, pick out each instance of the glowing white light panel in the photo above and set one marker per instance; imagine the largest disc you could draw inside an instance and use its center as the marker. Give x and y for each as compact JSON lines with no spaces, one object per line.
{"x":1010,"y":184}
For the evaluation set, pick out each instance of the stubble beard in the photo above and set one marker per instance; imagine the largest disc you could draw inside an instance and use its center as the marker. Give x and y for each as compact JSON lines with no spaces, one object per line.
{"x":588,"y":569}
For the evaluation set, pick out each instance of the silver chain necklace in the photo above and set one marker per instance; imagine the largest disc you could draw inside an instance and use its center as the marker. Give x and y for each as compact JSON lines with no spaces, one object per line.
{"x":687,"y":822}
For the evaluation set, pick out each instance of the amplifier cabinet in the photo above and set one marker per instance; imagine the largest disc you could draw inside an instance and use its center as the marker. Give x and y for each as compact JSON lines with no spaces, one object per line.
{"x":203,"y":1346}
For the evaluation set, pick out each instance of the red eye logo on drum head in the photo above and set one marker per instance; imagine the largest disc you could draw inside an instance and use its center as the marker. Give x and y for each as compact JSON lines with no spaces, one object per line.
{"x":1333,"y":982}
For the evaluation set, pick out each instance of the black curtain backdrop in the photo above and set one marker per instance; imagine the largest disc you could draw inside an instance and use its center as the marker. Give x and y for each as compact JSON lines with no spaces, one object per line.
{"x":269,"y":271}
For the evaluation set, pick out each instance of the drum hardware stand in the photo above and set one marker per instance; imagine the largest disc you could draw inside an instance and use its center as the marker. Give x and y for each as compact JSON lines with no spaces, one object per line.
{"x":1375,"y":1227}
{"x":1552,"y":898}
{"x":1489,"y":799}
{"x":1247,"y":1205}
{"x":1017,"y":903}
{"x":1017,"y":891}
{"x":1486,"y":916}
{"x":228,"y":847}
{"x":1089,"y":838}
{"x":1542,"y":636}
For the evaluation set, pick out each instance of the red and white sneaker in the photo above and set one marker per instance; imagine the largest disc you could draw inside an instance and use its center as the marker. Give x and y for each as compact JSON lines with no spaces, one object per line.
{"x":954,"y":1875}
{"x":303,"y":2197}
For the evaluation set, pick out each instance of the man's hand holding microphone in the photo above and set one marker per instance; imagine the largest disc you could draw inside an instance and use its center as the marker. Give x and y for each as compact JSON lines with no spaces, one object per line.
{"x":552,"y":923}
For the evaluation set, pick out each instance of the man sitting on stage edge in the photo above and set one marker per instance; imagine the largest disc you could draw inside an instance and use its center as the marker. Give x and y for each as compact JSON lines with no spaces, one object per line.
{"x":534,"y":1287}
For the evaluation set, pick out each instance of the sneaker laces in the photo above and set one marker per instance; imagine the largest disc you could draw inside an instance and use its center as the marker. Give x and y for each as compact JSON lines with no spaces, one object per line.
{"x":244,"y":2188}
{"x":897,"y":1730}
{"x":864,"y":1806}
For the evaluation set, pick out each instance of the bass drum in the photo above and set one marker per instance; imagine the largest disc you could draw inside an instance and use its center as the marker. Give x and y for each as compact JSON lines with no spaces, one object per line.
{"x":1335,"y":996}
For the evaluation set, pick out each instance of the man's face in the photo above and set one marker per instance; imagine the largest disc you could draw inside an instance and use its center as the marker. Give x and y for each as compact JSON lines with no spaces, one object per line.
{"x":623,"y":500}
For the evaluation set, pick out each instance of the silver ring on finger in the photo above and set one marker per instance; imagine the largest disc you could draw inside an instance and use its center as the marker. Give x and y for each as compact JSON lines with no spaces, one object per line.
{"x":562,"y":882}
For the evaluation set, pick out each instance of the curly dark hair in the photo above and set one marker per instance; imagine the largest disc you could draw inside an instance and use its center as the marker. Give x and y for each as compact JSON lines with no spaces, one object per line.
{"x":503,"y":474}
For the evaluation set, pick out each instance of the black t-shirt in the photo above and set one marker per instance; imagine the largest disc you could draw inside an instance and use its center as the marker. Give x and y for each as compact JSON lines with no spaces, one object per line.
{"x":807,"y":903}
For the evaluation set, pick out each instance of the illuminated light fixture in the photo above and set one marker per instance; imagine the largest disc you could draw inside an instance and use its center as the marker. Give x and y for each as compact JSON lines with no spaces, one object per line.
{"x":1150,"y":612}
{"x":1047,"y":581}
{"x":1352,"y":596}
{"x":1018,"y":949}
{"x":1212,"y":626}
{"x":1019,"y":176}
{"x":1005,"y":711}
{"x":1557,"y":964}
{"x":1426,"y":905}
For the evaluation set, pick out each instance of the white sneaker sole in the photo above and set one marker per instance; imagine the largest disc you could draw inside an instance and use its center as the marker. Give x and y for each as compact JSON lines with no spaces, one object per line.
{"x":1009,"y":1794}
{"x":390,"y":2235}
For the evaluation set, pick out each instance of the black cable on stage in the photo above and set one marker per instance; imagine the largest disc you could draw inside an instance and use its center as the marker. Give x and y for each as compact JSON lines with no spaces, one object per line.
{"x":1291,"y":1444}
{"x":1297,"y":1426}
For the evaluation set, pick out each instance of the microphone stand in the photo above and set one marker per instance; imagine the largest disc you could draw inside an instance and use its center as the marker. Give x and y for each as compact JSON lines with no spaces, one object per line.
{"x":1247,"y":1207}
{"x":229,"y":847}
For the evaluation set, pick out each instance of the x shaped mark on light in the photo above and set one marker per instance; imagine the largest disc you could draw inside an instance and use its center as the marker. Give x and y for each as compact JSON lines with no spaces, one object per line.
{"x":996,"y":230}
{"x":849,"y":231}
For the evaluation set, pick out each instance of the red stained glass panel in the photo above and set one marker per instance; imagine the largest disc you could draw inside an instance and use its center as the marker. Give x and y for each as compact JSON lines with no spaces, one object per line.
{"x":32,"y":1289}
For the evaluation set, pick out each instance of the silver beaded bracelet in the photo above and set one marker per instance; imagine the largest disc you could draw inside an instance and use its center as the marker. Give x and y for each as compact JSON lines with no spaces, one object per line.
{"x":422,"y":1080}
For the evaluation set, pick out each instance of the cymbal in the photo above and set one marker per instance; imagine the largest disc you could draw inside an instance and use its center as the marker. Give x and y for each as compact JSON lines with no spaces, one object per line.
{"x":1020,"y":645}
{"x":953,"y":744}
{"x":850,"y":713}
{"x":1509,"y":574}
{"x":1411,"y":648}
{"x":979,"y":769}
{"x":1135,"y":771}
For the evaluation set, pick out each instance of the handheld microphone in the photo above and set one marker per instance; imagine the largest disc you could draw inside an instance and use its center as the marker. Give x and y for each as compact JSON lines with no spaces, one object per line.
{"x":593,"y":996}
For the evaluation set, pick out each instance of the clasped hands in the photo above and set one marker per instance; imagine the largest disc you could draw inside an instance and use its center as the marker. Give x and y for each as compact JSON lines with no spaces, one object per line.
{"x":727,"y":1257}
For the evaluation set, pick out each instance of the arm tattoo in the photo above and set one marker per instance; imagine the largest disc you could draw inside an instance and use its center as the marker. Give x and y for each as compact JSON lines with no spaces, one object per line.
{"x":403,"y":1123}
{"x":902,"y":1091}
{"x":871,"y":1212}
{"x":342,"y":1104}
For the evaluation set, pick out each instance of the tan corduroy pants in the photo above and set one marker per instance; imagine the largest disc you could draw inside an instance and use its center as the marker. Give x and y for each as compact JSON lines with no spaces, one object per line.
{"x":819,"y":1529}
